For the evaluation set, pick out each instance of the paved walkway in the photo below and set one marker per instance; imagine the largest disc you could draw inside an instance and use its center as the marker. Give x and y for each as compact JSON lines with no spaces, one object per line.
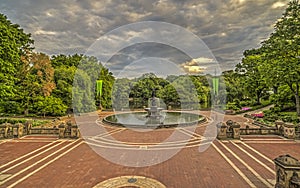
{"x":46,"y":161}
{"x":43,"y":162}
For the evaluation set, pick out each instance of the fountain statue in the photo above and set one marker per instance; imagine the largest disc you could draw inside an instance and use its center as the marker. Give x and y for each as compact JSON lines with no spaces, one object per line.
{"x":154,"y":110}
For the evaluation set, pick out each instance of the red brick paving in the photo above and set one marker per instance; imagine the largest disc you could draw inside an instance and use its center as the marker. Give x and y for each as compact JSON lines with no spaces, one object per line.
{"x":82,"y":167}
{"x":12,"y":150}
{"x":274,"y":150}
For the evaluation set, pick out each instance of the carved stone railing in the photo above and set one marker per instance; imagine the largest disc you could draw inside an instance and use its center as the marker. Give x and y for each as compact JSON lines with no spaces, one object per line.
{"x":68,"y":130}
{"x":64,"y":130}
{"x":232,"y":130}
{"x":287,"y":170}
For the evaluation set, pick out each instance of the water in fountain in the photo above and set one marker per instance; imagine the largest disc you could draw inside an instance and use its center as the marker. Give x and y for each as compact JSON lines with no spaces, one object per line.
{"x":154,"y":117}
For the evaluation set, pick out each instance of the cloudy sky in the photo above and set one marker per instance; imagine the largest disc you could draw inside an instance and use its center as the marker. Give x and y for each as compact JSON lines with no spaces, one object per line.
{"x":227,"y":27}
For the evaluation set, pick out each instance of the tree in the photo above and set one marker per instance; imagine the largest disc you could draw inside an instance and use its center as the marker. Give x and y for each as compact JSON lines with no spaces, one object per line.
{"x":83,"y":98}
{"x":13,"y":44}
{"x":283,"y":50}
{"x":62,"y":60}
{"x":284,"y":98}
{"x":120,"y":93}
{"x":49,"y":105}
{"x":63,"y":77}
{"x":234,"y":88}
{"x":251,"y":76}
{"x":36,"y":78}
{"x":142,"y":87}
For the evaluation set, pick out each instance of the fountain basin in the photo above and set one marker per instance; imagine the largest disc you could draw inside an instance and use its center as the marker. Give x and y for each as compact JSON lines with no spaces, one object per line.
{"x":165,"y":120}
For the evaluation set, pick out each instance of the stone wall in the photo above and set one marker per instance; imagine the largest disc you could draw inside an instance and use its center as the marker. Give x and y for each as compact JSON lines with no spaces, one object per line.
{"x":232,"y":130}
{"x":64,"y":130}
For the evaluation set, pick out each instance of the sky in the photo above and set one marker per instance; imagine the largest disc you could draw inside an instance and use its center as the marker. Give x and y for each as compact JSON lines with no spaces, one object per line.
{"x":226,"y":28}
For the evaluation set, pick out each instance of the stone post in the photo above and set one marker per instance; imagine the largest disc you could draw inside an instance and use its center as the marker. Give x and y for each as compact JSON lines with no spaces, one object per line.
{"x":8,"y":130}
{"x":2,"y":131}
{"x":20,"y":129}
{"x":222,"y":131}
{"x":74,"y":131}
{"x":61,"y":130}
{"x":279,"y":125}
{"x":289,"y":130}
{"x":15,"y":129}
{"x":27,"y":126}
{"x":247,"y":130}
{"x":287,"y":170}
{"x":236,"y":130}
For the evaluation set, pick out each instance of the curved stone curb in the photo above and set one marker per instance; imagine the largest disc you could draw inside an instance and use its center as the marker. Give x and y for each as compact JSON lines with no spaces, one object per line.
{"x":135,"y":181}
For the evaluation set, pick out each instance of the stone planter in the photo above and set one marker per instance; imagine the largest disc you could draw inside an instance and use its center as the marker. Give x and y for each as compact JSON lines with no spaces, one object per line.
{"x":289,"y":131}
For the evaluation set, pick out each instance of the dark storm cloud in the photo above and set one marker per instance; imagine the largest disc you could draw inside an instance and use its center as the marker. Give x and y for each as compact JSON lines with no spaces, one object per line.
{"x":228,"y":27}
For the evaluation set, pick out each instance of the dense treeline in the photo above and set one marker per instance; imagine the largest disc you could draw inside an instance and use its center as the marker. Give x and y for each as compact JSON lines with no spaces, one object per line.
{"x":183,"y":91}
{"x":33,"y":83}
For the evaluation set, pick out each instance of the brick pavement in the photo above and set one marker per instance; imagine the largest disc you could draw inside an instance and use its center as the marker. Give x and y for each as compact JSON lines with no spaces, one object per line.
{"x":51,"y":162}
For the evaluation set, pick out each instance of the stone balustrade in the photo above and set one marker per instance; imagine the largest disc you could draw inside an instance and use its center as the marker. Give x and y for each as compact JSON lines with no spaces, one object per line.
{"x":229,"y":130}
{"x":232,"y":130}
{"x":64,"y":130}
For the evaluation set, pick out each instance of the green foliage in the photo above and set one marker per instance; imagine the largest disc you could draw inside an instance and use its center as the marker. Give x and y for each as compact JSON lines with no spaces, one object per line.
{"x":61,"y":60}
{"x":83,"y":100}
{"x":275,"y":114}
{"x":107,"y":87}
{"x":182,"y":91}
{"x":12,"y":120}
{"x":282,"y":51}
{"x":234,"y":87}
{"x":252,"y":77}
{"x":283,"y":98}
{"x":232,"y":106}
{"x":50,"y":106}
{"x":120,"y":93}
{"x":63,"y":77}
{"x":13,"y":44}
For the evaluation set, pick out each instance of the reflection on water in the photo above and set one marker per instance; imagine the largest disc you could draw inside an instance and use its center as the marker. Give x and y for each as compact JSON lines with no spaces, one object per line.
{"x":166,"y":118}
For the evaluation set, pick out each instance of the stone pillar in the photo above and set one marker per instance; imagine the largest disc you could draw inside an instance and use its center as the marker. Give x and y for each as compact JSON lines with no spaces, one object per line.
{"x":2,"y":131}
{"x":247,"y":130}
{"x":74,"y":131}
{"x":8,"y":130}
{"x":61,"y":130}
{"x":279,"y":125}
{"x":236,"y":130}
{"x":15,"y":129}
{"x":20,"y":129}
{"x":289,"y":130}
{"x":222,"y":131}
{"x":27,"y":127}
{"x":287,"y":170}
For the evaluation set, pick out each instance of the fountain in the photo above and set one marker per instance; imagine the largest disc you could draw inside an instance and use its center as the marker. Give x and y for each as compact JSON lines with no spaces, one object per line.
{"x":154,"y":117}
{"x":154,"y":110}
